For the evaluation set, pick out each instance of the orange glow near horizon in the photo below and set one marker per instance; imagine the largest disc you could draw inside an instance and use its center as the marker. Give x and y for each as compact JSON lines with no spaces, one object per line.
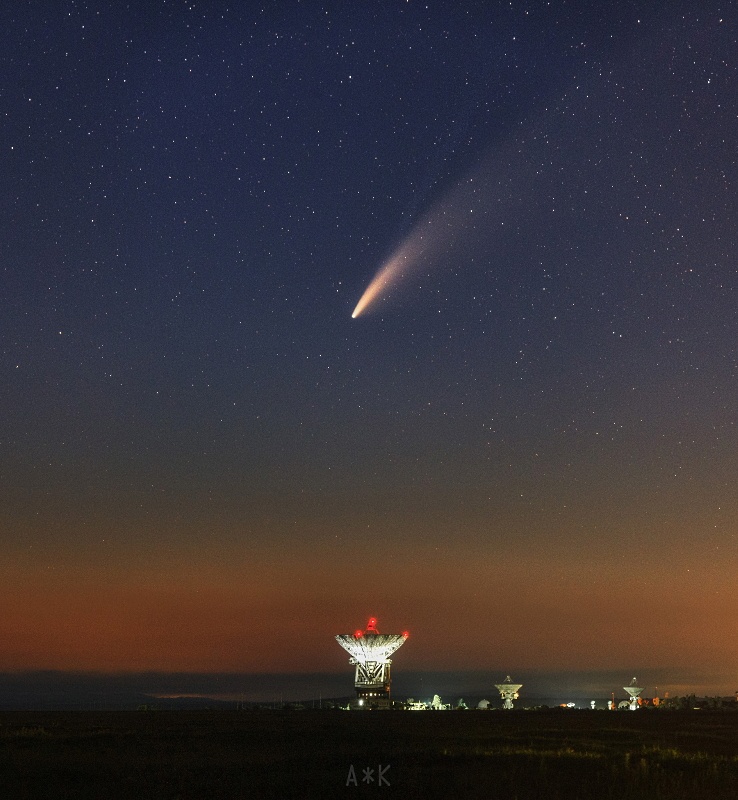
{"x":113,"y":623}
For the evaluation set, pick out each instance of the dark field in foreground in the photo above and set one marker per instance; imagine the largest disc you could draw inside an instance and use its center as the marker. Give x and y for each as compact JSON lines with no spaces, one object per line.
{"x":268,"y":754}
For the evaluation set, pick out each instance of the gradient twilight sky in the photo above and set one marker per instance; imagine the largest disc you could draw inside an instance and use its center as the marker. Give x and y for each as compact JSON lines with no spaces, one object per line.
{"x":527,"y":455}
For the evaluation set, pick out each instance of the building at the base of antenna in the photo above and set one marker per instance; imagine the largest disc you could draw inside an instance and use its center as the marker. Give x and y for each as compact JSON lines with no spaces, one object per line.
{"x":370,"y":651}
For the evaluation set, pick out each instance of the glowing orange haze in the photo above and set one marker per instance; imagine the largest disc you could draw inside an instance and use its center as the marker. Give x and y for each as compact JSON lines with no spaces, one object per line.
{"x":460,"y":614}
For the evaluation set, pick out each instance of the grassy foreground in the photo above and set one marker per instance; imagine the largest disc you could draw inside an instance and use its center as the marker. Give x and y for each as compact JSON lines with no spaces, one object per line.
{"x":263,"y":754}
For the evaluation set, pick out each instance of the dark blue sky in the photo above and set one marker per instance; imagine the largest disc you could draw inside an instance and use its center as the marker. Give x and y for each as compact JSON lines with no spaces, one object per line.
{"x":195,"y":430}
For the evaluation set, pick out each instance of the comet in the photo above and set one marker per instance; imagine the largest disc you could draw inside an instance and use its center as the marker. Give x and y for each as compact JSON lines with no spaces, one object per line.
{"x":379,"y":282}
{"x":393,"y":271}
{"x":512,"y":187}
{"x":439,"y":236}
{"x":470,"y":218}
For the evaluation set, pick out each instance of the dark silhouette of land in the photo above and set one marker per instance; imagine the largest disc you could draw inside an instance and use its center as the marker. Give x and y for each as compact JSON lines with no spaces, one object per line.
{"x":310,"y":754}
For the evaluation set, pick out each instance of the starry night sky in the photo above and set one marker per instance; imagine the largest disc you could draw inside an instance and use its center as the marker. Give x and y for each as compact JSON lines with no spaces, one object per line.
{"x":527,"y":455}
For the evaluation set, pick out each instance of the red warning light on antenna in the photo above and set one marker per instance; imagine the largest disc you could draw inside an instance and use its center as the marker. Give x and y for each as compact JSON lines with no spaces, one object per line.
{"x":371,"y":626}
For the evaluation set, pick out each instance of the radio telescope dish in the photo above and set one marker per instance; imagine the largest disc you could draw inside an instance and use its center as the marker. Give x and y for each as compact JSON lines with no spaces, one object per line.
{"x":370,"y":651}
{"x":508,"y":691}
{"x":633,"y":691}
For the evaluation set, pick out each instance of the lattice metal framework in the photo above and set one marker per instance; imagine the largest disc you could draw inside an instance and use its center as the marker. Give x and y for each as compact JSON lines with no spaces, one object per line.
{"x":370,"y":651}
